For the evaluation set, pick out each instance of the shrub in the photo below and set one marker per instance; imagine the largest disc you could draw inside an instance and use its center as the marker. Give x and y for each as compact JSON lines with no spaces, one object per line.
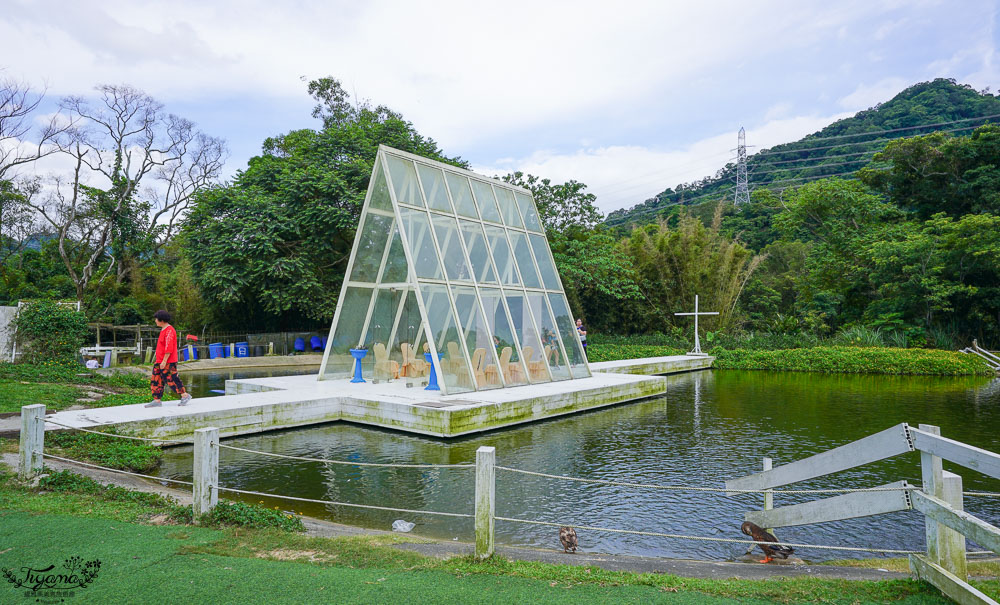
{"x":113,"y":452}
{"x":68,"y":481}
{"x":49,"y":332}
{"x":859,"y":336}
{"x":239,"y":514}
{"x":853,"y":360}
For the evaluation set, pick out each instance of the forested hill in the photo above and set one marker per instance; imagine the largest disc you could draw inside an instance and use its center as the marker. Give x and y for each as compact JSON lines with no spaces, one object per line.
{"x":839,"y":149}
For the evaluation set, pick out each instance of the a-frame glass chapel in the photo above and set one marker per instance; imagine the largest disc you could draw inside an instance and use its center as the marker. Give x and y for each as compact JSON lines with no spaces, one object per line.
{"x":452,"y":269}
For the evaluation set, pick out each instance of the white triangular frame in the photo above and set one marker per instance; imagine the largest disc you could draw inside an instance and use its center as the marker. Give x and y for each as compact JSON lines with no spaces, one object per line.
{"x":415,"y":285}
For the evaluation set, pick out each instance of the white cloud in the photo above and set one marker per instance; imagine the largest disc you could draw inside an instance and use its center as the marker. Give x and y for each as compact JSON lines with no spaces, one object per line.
{"x":622,"y":176}
{"x":866,"y":96}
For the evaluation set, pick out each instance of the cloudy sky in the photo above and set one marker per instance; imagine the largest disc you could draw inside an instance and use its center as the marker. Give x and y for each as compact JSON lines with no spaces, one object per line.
{"x":627,"y":97}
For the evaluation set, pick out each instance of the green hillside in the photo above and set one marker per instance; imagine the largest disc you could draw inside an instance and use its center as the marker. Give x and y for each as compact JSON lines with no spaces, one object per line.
{"x":817,"y":155}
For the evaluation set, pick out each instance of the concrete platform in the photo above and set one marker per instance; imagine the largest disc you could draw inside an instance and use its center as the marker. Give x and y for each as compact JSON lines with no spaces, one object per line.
{"x":255,"y":405}
{"x":654,"y":366}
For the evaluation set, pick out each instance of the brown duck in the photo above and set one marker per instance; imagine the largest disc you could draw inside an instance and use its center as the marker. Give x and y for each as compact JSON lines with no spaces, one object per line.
{"x":759,"y":534}
{"x":567,"y":535}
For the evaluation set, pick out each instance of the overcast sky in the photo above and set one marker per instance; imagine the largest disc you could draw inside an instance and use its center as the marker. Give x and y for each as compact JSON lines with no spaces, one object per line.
{"x":627,"y":97}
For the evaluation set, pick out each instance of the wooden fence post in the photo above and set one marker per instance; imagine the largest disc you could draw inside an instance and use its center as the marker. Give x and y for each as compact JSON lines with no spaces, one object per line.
{"x":945,"y":546}
{"x":951,"y":544}
{"x":206,"y":471}
{"x":485,"y":500}
{"x":32,"y":440}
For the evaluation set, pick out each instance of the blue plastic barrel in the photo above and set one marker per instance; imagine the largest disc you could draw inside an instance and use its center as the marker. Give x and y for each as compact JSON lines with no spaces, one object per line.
{"x":216,"y":350}
{"x":316,"y":343}
{"x":299,"y":345}
{"x":242,"y":349}
{"x":193,"y":353}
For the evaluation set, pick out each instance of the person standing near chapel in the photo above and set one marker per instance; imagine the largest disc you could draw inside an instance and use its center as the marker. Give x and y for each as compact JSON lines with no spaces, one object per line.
{"x":165,"y":363}
{"x":582,"y":331}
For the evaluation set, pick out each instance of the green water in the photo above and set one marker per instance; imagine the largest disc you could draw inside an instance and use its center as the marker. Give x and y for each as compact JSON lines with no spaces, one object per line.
{"x":709,"y":426}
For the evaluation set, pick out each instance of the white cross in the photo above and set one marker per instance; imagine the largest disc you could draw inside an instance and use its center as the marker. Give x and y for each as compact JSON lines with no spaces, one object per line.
{"x":697,"y":343}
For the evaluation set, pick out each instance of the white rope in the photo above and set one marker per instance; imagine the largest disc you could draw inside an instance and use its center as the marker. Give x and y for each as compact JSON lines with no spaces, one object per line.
{"x":75,"y":428}
{"x":982,"y":494}
{"x":682,"y":488}
{"x":345,"y":462}
{"x":705,"y":539}
{"x":117,"y":470}
{"x":397,"y":510}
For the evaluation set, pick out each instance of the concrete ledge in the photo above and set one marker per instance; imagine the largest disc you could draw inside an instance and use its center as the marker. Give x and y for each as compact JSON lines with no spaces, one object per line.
{"x":655,"y":366}
{"x":267,"y":361}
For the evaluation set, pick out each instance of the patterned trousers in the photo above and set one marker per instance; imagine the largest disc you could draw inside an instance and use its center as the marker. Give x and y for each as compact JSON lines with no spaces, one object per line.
{"x":161,"y":378}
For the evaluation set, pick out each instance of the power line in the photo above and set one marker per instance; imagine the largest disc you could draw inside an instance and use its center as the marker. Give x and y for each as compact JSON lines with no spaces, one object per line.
{"x":904,"y":128}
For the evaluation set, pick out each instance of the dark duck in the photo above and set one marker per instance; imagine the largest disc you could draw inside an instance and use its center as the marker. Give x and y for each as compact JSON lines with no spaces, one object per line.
{"x":759,"y":534}
{"x":567,"y":535}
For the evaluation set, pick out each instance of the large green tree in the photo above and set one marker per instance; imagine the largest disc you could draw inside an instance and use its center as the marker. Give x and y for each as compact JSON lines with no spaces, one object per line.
{"x":270,"y":249}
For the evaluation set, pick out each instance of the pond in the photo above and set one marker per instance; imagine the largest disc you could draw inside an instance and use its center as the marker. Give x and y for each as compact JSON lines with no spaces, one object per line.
{"x":212,"y":383}
{"x":710,"y":426}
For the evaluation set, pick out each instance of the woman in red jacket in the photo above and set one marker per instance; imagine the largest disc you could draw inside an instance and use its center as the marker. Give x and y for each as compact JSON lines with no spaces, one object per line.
{"x":165,"y":364}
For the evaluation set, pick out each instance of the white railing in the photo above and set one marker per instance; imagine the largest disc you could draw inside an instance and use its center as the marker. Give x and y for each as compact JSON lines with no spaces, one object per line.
{"x":940,"y":499}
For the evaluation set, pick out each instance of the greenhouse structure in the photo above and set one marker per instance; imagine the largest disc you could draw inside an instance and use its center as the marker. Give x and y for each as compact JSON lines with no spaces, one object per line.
{"x":450,"y":284}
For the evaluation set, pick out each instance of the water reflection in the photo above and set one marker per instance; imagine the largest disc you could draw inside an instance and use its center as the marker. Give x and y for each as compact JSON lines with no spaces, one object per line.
{"x":708,"y":427}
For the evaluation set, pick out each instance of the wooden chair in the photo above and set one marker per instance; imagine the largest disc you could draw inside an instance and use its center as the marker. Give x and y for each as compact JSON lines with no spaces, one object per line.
{"x":412,"y":366}
{"x":454,"y":362}
{"x":493,"y":373}
{"x":385,"y":368}
{"x":478,"y":361}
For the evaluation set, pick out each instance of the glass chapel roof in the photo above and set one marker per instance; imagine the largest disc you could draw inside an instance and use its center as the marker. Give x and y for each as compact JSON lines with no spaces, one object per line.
{"x":456,"y":266}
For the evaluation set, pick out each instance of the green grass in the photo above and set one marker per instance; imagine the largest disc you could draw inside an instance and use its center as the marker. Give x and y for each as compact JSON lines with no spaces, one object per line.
{"x":145,"y":564}
{"x":854,"y":360}
{"x":614,"y":352}
{"x":59,"y":386}
{"x":73,"y":516}
{"x":17,"y":393}
{"x":112,"y":452}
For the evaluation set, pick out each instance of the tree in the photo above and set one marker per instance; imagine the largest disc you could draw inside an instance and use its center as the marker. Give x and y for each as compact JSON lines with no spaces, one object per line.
{"x":17,"y":104}
{"x":271,"y":248}
{"x":560,"y":207}
{"x":135,"y":171}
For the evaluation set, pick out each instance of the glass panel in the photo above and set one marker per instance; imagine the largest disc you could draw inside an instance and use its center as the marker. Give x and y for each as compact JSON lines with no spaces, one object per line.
{"x":475,"y":241}
{"x":480,"y":345}
{"x":486,"y":200}
{"x":380,"y":193}
{"x":444,"y":330}
{"x":570,"y":338}
{"x":524,"y":330}
{"x":371,"y":247}
{"x":418,"y":235}
{"x":514,"y":371}
{"x":461,"y":194}
{"x":508,"y":207}
{"x":383,"y":360}
{"x":501,"y":255}
{"x":452,"y":256}
{"x":552,"y":354}
{"x":409,"y":341}
{"x":433,"y":183}
{"x":347,"y":333}
{"x":528,"y":212}
{"x":395,"y":263}
{"x":524,"y":262}
{"x":541,"y":247}
{"x":404,"y":181}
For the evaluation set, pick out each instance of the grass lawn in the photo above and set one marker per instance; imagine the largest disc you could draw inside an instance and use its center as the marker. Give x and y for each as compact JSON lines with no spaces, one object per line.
{"x":17,"y":393}
{"x":171,"y":564}
{"x":142,"y":561}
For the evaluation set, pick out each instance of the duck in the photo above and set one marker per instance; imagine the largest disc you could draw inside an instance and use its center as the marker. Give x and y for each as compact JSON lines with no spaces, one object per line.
{"x":759,"y":534}
{"x":567,"y":535}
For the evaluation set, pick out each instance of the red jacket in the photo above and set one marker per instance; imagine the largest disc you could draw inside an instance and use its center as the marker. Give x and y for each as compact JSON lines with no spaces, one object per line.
{"x":166,"y":345}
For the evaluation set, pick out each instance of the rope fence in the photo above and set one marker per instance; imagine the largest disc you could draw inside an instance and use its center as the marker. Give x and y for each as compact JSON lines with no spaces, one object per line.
{"x":344,"y":462}
{"x":75,"y":428}
{"x":369,"y":506}
{"x":117,"y":470}
{"x":206,"y":487}
{"x":707,"y":539}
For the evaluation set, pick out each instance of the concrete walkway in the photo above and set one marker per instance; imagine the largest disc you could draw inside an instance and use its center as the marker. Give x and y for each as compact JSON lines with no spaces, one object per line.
{"x":443,"y":549}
